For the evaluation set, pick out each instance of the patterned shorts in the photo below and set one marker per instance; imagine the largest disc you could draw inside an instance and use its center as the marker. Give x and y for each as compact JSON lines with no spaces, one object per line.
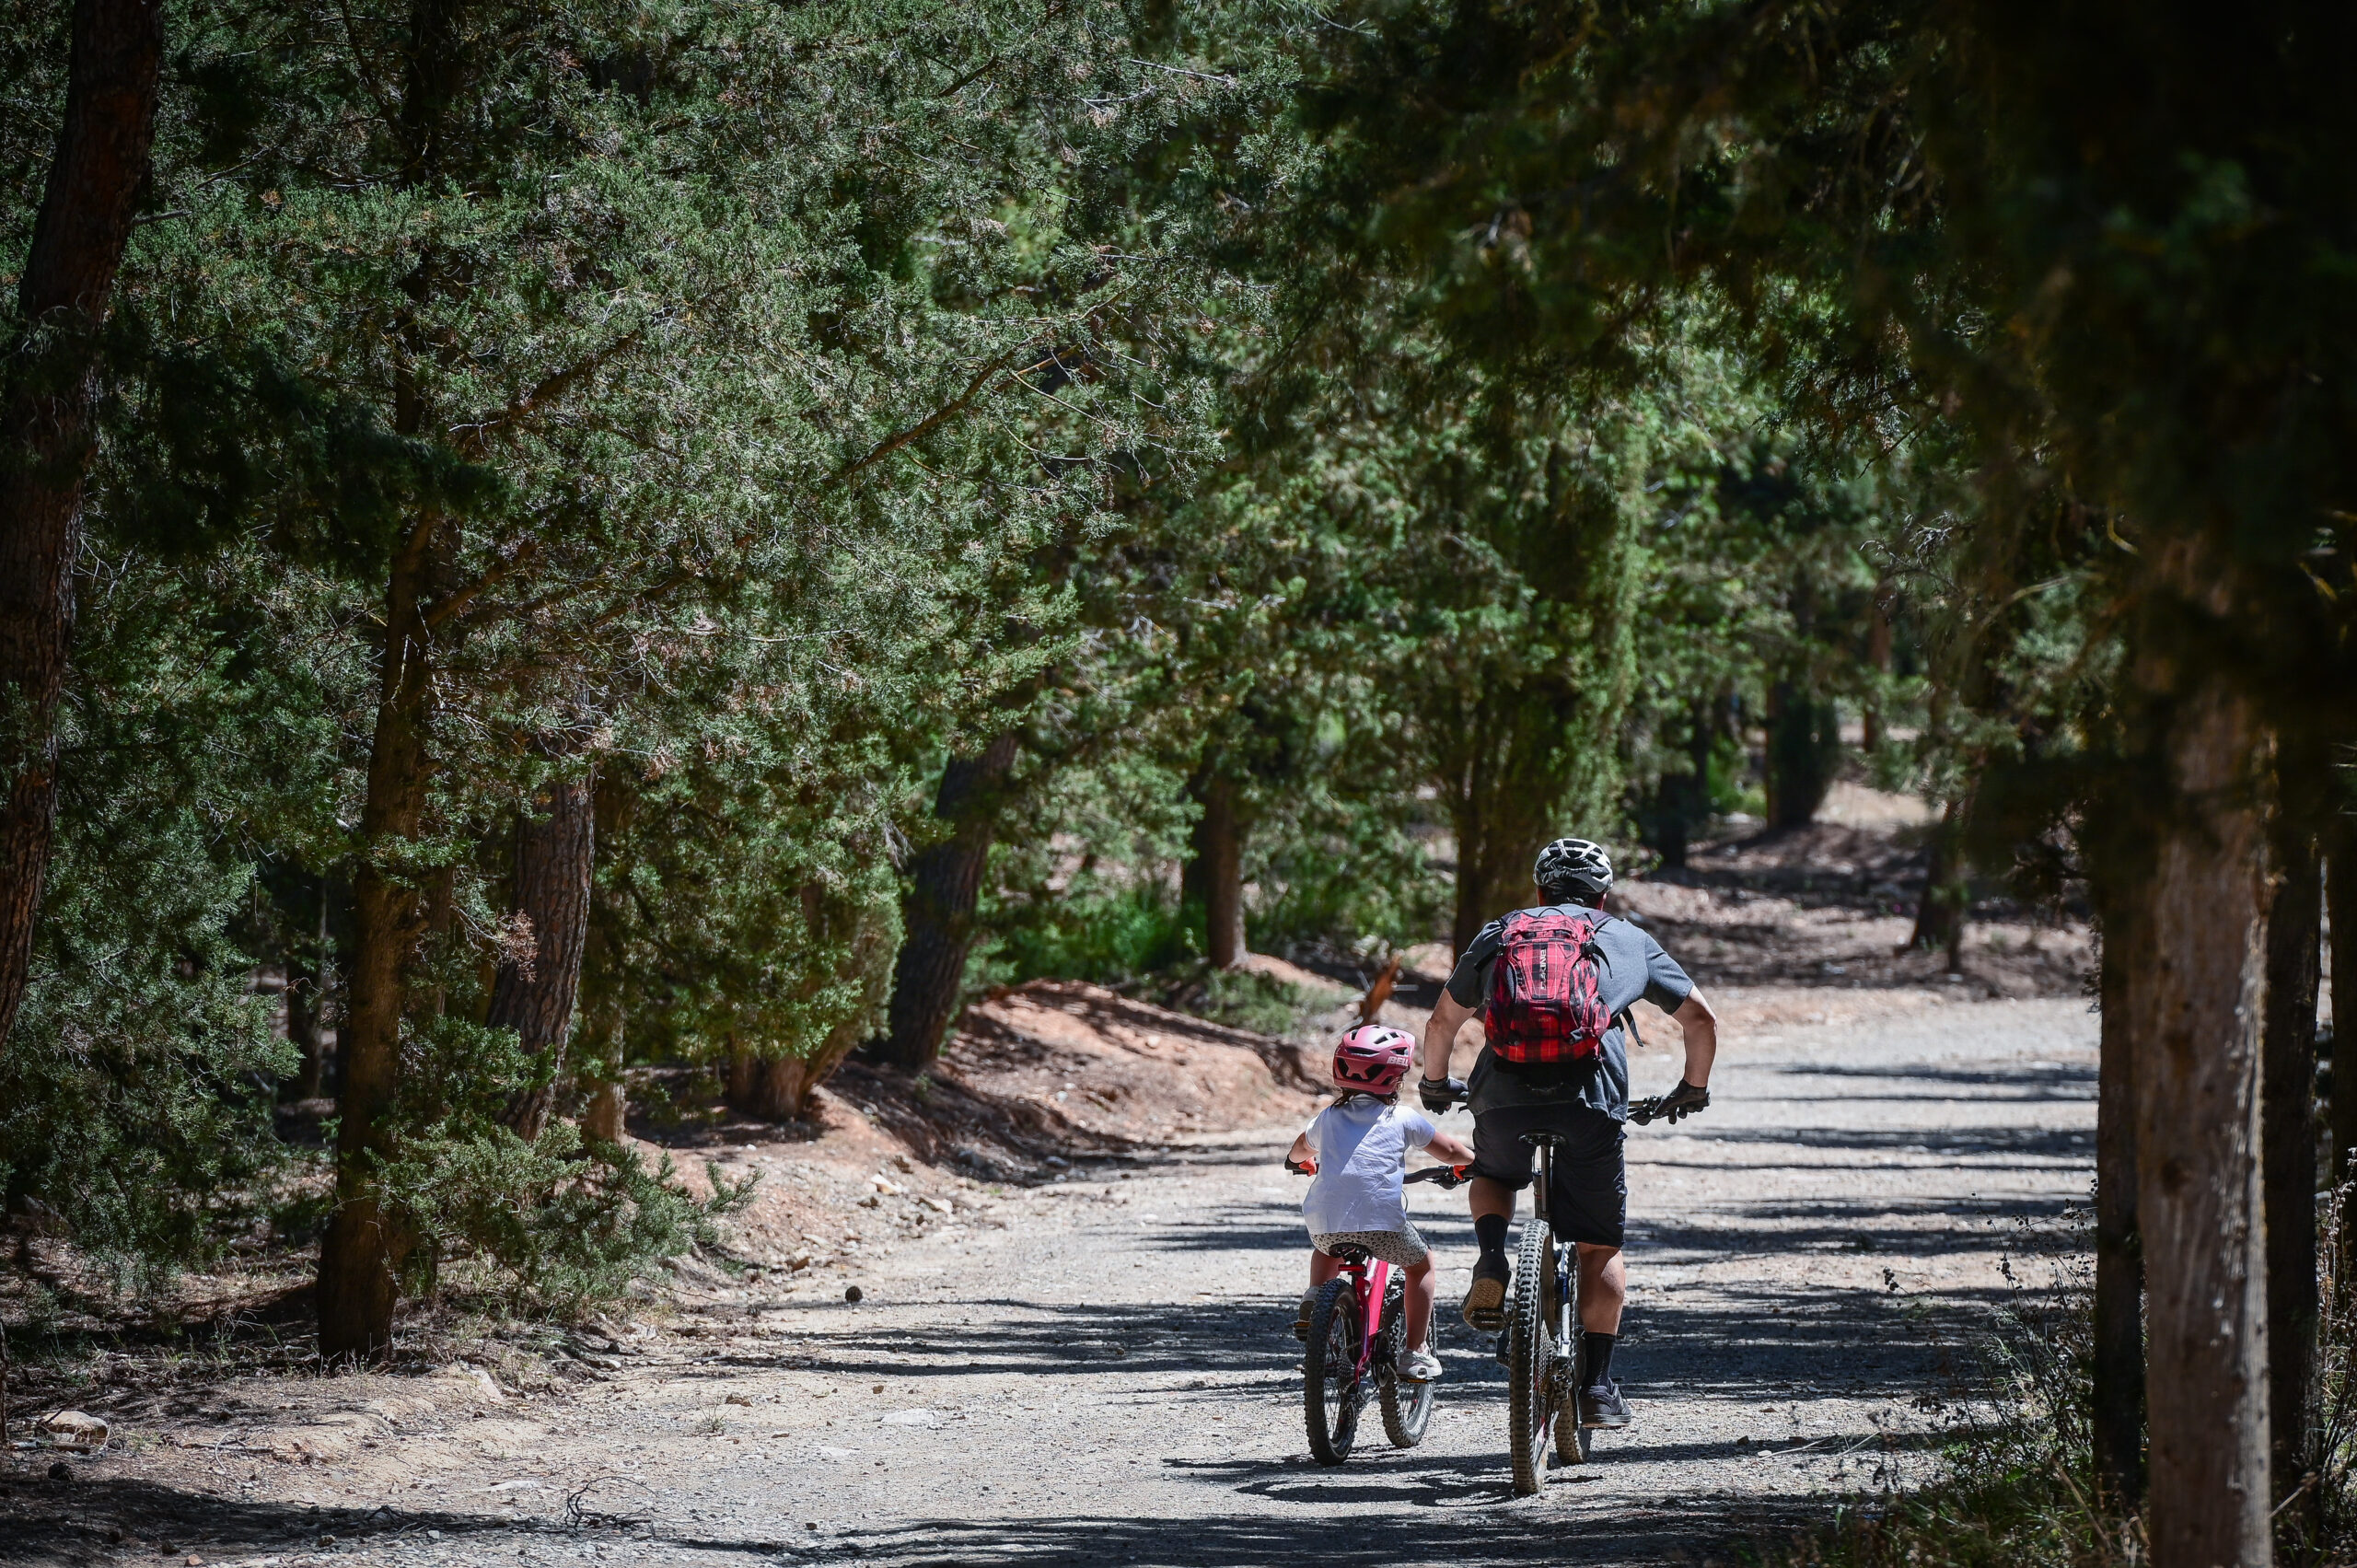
{"x":1402,"y":1249}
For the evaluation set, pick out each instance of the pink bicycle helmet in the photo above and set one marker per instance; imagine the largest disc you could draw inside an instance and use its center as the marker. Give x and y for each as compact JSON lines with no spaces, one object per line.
{"x":1372,"y":1059}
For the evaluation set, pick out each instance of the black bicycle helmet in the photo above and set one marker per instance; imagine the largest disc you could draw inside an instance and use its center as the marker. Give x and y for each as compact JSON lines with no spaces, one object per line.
{"x":1576,"y":864}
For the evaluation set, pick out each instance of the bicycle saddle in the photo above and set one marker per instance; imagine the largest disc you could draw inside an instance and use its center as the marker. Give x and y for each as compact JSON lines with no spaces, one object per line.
{"x":1352,"y":1255}
{"x":1546,"y":1140}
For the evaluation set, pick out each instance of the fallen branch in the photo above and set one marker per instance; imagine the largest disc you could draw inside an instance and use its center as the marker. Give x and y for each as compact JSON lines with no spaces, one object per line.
{"x":576,"y":1515}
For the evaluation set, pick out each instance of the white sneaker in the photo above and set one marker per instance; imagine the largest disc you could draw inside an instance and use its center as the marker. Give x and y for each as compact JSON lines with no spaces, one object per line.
{"x":1418,"y":1366}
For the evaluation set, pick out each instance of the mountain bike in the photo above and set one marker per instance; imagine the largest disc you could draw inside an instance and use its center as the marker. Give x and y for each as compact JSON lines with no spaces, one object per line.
{"x":1358,"y":1325}
{"x":1544,"y":1346}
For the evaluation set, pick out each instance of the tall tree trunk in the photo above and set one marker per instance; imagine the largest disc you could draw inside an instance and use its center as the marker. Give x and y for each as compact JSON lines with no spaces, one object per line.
{"x":1496,"y":847}
{"x":2288,"y":1162}
{"x":1682,"y":801}
{"x":1505,"y":810}
{"x":2340,"y":886}
{"x":46,"y":395}
{"x":1939,"y":915}
{"x":2118,"y":1415}
{"x":1477,"y":898}
{"x":1215,"y":873}
{"x":1804,"y":750}
{"x":2194,"y":1012}
{"x":366,"y":1244}
{"x":601,"y":1039}
{"x":555,"y":851}
{"x":944,"y":883}
{"x":607,"y":1114}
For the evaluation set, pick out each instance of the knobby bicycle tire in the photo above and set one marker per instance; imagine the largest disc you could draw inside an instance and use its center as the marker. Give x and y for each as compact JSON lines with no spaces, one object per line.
{"x":1407,"y":1406}
{"x":1530,"y":1357}
{"x":1572,"y":1442}
{"x":1332,"y":1389}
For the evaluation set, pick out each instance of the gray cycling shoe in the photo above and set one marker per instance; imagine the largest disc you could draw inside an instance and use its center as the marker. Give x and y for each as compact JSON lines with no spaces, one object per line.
{"x":1602,"y":1406}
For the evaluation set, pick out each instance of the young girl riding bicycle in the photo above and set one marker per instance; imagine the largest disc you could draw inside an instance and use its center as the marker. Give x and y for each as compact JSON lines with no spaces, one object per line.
{"x":1358,"y":1148}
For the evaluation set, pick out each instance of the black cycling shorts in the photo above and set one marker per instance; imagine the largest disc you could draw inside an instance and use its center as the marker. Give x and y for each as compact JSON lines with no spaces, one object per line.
{"x":1590,"y":1202}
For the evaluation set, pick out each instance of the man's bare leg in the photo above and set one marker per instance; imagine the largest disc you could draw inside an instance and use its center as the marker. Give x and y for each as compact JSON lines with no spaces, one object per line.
{"x":1604,"y":1288}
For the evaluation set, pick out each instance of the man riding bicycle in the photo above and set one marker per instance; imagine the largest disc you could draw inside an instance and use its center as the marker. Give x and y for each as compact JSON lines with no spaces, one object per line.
{"x":1554,"y":1060}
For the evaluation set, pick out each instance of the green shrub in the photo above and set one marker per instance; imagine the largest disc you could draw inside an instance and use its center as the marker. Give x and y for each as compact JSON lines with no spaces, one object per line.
{"x":551,"y":1226}
{"x":1111,"y":932}
{"x":1244,"y":999}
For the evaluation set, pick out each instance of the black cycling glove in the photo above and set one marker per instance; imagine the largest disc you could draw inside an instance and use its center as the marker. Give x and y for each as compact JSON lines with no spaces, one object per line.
{"x":1439,"y":1094}
{"x":1683,"y":1100}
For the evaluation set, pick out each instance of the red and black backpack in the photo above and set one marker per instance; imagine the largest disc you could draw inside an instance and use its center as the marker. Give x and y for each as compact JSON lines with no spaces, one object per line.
{"x":1546,"y":997}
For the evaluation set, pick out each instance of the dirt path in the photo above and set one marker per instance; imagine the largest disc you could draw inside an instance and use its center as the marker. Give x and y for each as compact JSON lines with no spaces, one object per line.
{"x":1098,"y":1370}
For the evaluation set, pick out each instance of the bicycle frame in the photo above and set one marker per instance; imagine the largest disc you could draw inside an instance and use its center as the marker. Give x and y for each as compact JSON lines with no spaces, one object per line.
{"x":1372,"y":1281}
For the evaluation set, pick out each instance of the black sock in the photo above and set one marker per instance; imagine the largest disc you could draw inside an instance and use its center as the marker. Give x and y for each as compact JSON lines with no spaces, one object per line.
{"x":1599,"y":1356}
{"x":1489,"y":1231}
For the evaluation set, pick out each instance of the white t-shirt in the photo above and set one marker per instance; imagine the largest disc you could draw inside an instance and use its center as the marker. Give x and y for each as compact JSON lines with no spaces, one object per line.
{"x":1361,"y":1148}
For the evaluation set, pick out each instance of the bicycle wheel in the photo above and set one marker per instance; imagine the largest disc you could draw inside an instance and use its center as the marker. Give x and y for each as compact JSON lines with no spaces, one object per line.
{"x":1573,"y":1441}
{"x":1530,"y":1355}
{"x":1407,"y":1406}
{"x":1332,"y":1389}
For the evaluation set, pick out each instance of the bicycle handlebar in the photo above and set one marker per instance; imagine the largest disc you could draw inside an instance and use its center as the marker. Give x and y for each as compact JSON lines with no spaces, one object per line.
{"x":1448,"y":1176}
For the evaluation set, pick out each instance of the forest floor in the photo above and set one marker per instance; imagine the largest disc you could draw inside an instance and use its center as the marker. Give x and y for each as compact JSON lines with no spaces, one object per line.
{"x":1078,"y":1256}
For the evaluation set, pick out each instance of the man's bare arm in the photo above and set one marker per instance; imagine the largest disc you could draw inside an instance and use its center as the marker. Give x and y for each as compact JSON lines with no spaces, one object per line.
{"x":1440,"y":1036}
{"x":1701,"y":1026}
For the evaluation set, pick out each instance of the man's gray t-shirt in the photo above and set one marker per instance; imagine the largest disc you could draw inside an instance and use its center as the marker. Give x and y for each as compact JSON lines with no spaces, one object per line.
{"x":1635,"y":968}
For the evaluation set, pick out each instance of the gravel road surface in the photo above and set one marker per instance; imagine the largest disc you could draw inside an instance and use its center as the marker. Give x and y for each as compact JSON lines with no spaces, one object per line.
{"x":1099,"y":1370}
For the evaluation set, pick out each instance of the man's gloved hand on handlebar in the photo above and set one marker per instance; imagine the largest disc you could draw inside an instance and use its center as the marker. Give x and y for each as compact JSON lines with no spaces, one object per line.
{"x":1439,"y":1094}
{"x":1681,"y":1101}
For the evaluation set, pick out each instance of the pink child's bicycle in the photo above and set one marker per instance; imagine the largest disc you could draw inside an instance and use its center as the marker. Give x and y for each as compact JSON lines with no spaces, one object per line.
{"x":1357,"y":1327}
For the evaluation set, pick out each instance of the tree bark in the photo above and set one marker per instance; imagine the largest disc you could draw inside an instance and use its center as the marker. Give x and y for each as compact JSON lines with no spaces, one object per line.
{"x":46,"y":398}
{"x":555,"y":852}
{"x":366,"y":1244}
{"x":2288,"y":1162}
{"x":2194,"y":1014}
{"x":944,"y":883}
{"x":1804,"y":750}
{"x":1215,"y":873}
{"x":1939,"y":914}
{"x":2341,"y":888}
{"x":607,"y":1114}
{"x":1505,"y":812}
{"x":772,"y":1088}
{"x":2118,"y":1414}
{"x":1682,"y":801}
